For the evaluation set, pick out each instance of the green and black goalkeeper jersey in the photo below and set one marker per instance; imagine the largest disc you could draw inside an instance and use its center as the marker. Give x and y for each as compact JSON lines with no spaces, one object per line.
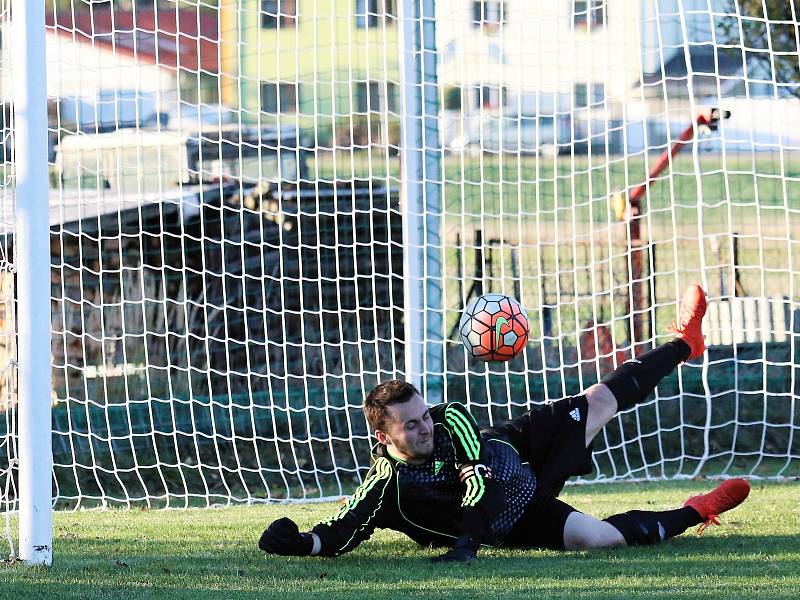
{"x":470,"y":485}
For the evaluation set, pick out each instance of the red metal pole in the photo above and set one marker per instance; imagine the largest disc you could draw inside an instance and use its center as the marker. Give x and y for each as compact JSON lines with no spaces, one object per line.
{"x":707,"y":118}
{"x":663,"y":160}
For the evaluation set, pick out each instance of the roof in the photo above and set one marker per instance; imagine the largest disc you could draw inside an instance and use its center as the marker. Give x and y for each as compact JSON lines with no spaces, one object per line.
{"x":141,"y":138}
{"x":186,"y":39}
{"x":705,"y":59}
{"x":73,"y":210}
{"x":287,"y":137}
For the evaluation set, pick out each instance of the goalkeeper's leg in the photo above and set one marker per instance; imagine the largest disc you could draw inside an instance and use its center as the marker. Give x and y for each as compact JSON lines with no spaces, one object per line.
{"x":644,"y":527}
{"x":633,"y":381}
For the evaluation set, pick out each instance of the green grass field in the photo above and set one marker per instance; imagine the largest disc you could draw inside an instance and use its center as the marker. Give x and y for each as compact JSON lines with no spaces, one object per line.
{"x":212,"y":553}
{"x":548,"y":236}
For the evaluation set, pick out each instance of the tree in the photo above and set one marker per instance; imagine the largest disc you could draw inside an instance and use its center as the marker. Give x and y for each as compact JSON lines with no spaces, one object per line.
{"x":769,"y":33}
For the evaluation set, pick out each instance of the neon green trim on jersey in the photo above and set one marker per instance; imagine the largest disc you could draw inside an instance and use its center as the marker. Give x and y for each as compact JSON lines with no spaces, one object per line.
{"x":400,"y":460}
{"x":503,"y":442}
{"x":374,"y":512}
{"x":468,"y":422}
{"x":459,"y":430}
{"x":422,"y":527}
{"x":382,"y":470}
{"x":469,"y":492}
{"x":465,"y":432}
{"x":475,"y":489}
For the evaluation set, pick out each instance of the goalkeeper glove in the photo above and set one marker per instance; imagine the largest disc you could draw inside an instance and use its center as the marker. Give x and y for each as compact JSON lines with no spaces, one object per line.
{"x":464,"y":550}
{"x":284,"y":538}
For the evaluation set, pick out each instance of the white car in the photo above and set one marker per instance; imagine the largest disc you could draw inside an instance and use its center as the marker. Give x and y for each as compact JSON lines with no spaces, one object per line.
{"x":508,"y":134}
{"x":194,"y":117}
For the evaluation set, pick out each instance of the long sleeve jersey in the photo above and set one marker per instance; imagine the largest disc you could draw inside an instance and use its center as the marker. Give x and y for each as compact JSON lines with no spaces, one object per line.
{"x":469,"y":485}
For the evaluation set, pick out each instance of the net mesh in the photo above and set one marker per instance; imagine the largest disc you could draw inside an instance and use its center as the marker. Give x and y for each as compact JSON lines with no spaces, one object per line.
{"x":228,"y":248}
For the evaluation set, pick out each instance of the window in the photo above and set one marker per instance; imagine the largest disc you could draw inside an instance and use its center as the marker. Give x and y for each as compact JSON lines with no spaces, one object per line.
{"x":279,"y":97}
{"x":589,"y":94}
{"x":598,"y":93}
{"x":278,"y":13}
{"x":490,"y":96}
{"x":581,"y":95}
{"x":488,"y":14}
{"x":452,"y":98}
{"x":370,"y":13}
{"x":370,"y":96}
{"x":588,"y":14}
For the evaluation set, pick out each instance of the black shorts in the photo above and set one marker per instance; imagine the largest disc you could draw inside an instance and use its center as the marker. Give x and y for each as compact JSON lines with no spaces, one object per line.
{"x":552,"y":439}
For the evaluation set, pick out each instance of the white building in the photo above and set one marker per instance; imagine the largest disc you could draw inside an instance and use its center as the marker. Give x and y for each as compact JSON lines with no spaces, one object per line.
{"x":600,"y":69}
{"x":95,"y":81}
{"x":538,"y":57}
{"x":571,"y":65}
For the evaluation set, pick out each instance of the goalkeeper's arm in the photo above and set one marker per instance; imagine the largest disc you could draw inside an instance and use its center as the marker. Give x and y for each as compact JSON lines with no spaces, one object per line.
{"x":483,"y":497}
{"x":353,"y":524}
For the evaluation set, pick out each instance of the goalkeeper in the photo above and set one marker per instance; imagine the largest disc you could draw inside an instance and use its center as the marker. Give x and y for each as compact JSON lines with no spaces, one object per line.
{"x":440,"y":480}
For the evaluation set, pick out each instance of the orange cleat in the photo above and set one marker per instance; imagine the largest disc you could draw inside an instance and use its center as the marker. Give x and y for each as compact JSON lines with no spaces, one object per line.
{"x":729,"y":494}
{"x":690,"y":326}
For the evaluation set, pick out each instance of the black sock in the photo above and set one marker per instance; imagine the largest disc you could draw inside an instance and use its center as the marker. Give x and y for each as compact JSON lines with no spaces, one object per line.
{"x":634,"y":380}
{"x":644,"y":527}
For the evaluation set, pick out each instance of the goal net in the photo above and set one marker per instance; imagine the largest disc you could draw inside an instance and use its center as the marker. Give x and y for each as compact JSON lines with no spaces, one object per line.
{"x":259,"y":209}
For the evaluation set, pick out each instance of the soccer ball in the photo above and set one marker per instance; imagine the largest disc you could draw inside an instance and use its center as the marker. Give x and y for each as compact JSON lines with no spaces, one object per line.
{"x":494,"y":327}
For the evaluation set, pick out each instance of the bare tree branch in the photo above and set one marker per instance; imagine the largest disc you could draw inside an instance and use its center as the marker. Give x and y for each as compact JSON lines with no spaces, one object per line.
{"x":769,"y":33}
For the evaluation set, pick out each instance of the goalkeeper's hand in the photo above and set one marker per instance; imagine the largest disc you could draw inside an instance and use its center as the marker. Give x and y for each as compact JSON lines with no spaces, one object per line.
{"x":464,"y":550}
{"x":284,"y":538}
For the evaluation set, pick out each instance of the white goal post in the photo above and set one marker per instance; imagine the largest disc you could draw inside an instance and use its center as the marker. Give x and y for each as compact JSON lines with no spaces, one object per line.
{"x":241,"y":215}
{"x":31,"y":269}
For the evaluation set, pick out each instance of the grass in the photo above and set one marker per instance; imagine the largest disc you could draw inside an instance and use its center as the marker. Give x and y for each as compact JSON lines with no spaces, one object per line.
{"x":577,"y":187}
{"x":548,"y":236}
{"x":212,"y":554}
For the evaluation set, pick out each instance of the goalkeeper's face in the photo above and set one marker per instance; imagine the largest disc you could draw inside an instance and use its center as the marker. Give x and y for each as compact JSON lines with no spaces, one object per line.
{"x":409,"y":430}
